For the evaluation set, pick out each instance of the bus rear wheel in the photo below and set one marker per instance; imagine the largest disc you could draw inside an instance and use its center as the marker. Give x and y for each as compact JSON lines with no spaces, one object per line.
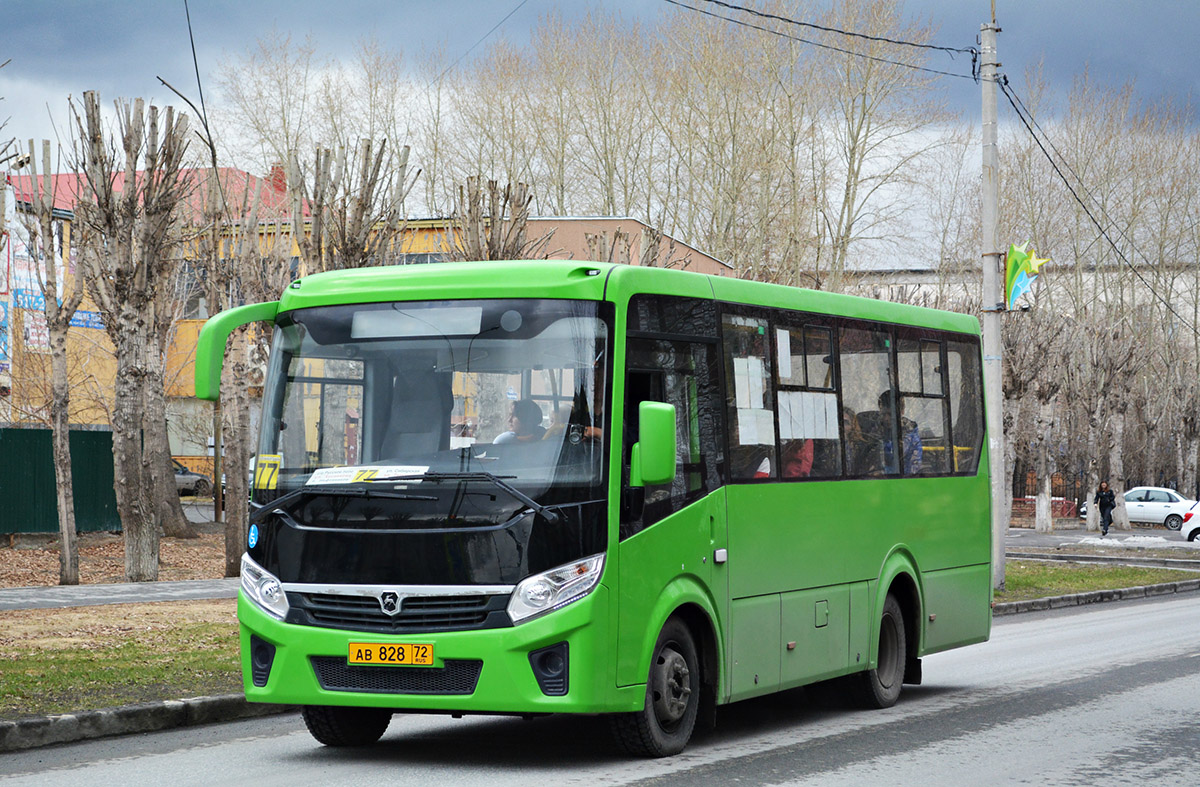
{"x":880,"y":687}
{"x":335,"y":726}
{"x":664,"y":725}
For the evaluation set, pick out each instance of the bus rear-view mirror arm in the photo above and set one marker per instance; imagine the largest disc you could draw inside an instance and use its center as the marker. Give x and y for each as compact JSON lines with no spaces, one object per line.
{"x":210,"y":347}
{"x":653,"y":458}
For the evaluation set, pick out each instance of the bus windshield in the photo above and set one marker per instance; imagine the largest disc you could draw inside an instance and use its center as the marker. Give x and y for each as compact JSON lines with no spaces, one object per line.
{"x":436,"y":414}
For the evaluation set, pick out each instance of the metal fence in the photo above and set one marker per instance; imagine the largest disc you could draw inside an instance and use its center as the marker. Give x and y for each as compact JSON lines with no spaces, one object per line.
{"x":28,"y":503}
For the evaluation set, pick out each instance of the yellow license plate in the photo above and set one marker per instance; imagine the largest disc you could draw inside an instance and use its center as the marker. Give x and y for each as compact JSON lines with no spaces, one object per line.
{"x":390,"y":655}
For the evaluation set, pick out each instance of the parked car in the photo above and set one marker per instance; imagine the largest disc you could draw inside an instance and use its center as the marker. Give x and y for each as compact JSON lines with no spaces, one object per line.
{"x":1157,"y":505}
{"x":189,"y":482}
{"x":1190,"y":529}
{"x":1154,"y":504}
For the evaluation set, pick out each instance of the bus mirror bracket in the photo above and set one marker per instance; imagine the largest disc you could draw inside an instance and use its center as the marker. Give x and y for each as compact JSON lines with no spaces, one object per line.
{"x":210,"y":346}
{"x":652,"y":459}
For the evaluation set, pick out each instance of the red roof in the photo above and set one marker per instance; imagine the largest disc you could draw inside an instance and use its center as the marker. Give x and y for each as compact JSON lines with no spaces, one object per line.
{"x":237,"y":185}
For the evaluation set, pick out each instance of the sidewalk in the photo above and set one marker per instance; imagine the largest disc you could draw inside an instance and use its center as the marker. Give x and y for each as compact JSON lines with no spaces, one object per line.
{"x":58,"y":596}
{"x":147,"y":717}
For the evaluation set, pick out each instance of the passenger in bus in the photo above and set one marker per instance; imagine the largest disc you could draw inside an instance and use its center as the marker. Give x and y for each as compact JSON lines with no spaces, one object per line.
{"x":798,"y":459}
{"x":525,"y":424}
{"x":558,"y":426}
{"x":910,"y":440}
{"x":878,"y":455}
{"x":865,"y":436}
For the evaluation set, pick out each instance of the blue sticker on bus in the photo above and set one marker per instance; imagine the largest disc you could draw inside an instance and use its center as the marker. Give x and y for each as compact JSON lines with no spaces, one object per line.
{"x":253,"y":539}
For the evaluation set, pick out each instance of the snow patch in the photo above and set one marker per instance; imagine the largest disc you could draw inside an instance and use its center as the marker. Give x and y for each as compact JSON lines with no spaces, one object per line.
{"x":1132,"y":541}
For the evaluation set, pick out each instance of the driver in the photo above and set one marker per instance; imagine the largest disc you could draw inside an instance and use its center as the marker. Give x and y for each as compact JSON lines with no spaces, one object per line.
{"x":524,"y":424}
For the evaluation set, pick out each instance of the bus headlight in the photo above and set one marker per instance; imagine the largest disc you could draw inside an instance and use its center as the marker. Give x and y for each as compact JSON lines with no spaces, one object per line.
{"x":263,"y":588}
{"x":555,"y":588}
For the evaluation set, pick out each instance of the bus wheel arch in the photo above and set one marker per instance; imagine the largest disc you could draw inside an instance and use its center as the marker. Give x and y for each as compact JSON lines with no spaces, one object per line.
{"x":879,"y":686}
{"x":701,"y":626}
{"x":904,"y":589}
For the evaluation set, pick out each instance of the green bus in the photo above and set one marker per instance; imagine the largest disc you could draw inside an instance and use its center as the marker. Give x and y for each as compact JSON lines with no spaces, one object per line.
{"x":537,"y":487}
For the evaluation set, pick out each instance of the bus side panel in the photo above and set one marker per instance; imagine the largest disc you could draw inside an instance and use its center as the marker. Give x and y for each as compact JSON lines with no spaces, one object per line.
{"x":755,"y":660}
{"x":815,"y":627}
{"x":791,"y":536}
{"x":656,"y":570}
{"x":961,"y":600}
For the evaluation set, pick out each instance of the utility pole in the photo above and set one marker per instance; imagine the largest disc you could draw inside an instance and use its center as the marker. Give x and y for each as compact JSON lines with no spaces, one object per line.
{"x":993,"y":295}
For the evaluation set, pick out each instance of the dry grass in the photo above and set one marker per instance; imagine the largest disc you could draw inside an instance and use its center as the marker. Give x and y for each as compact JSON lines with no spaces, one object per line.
{"x":63,"y":660}
{"x":33,"y":561}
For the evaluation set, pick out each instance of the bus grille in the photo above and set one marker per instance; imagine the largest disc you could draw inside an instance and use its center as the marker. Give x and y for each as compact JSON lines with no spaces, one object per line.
{"x":417,"y":613}
{"x":458,"y":676}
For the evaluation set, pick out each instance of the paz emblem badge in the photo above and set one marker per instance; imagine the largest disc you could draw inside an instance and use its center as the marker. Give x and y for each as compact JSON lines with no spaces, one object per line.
{"x":390,"y":602}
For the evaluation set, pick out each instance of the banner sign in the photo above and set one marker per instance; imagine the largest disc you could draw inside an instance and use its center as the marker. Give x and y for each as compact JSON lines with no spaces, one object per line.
{"x":1020,"y":271}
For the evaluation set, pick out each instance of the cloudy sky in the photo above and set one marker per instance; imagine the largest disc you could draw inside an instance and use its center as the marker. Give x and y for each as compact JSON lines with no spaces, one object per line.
{"x":64,"y":47}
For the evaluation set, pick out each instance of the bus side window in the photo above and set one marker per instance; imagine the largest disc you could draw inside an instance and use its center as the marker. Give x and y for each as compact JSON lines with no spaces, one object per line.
{"x":924,"y":406}
{"x":810,"y":446}
{"x":750,"y":398}
{"x":966,"y":405}
{"x":865,"y":355}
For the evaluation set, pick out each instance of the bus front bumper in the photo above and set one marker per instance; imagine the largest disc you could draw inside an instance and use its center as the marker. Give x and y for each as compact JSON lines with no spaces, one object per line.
{"x":484,"y":671}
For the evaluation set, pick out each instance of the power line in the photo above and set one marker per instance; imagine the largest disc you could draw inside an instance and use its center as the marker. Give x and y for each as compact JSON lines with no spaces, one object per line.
{"x":820,"y":45}
{"x":951,"y":50}
{"x":482,"y":38}
{"x":1004,"y":88}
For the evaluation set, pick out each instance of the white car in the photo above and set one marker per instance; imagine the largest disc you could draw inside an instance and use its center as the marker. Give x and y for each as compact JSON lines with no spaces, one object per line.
{"x":1157,"y":505}
{"x":1191,"y":523}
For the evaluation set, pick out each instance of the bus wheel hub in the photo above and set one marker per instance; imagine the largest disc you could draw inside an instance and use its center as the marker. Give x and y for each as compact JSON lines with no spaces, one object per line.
{"x":672,"y":686}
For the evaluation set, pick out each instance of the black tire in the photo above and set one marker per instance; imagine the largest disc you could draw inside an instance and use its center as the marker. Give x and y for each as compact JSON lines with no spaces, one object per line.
{"x":1193,"y":535}
{"x":1174,"y":522}
{"x":880,"y":687}
{"x":346,"y":726}
{"x":203,"y":488}
{"x":664,"y":724}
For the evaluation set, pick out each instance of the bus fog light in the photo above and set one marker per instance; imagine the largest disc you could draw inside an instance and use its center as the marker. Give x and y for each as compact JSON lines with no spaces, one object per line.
{"x":263,"y":588}
{"x":555,"y":588}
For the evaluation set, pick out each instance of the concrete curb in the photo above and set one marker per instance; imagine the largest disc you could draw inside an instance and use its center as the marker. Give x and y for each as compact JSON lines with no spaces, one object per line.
{"x":36,"y":731}
{"x":1122,"y":560}
{"x":1095,"y":597}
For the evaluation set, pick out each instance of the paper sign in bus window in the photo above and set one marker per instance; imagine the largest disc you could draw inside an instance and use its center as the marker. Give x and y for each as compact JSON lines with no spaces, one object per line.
{"x":783,"y":340}
{"x":748,"y":382}
{"x":807,"y":414}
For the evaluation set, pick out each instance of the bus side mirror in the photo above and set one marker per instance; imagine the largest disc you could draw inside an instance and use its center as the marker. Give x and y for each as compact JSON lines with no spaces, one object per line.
{"x":210,"y":346}
{"x":652,"y":459}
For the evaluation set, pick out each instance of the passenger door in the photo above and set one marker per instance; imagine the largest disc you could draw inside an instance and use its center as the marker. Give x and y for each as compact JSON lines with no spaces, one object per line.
{"x":670,"y":532}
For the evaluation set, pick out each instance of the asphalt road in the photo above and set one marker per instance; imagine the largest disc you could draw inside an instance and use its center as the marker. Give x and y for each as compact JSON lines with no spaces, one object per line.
{"x":1107,"y":695}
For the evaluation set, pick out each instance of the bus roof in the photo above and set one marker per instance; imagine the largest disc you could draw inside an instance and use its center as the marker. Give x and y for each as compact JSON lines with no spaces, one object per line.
{"x":575,"y":279}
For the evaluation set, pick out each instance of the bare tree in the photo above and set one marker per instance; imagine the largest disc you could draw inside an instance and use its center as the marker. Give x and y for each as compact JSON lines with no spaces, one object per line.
{"x":39,"y":228}
{"x":127,"y":213}
{"x":495,"y":230}
{"x":269,"y":94}
{"x":356,"y":206}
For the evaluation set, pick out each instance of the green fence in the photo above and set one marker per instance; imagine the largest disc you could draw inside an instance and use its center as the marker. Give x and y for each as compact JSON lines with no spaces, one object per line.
{"x":27,"y":498}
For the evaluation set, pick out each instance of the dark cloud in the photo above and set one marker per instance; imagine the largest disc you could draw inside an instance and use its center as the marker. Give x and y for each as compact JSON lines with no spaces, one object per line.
{"x":120,"y":47}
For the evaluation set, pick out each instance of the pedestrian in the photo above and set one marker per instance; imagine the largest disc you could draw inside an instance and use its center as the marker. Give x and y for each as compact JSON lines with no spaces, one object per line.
{"x":1106,"y":501}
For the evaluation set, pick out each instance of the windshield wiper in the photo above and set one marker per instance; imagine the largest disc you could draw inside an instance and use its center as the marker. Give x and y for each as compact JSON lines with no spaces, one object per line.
{"x":498,"y":481}
{"x":334,"y":490}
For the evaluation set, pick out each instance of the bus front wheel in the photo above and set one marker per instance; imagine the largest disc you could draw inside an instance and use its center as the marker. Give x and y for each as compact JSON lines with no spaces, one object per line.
{"x":665,"y":723}
{"x":880,"y":687}
{"x":335,"y":726}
